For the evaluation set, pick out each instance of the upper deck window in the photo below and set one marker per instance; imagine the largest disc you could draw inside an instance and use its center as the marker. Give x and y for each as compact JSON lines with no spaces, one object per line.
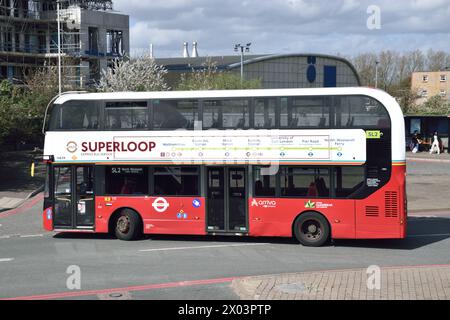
{"x":126,"y":115}
{"x":265,"y":113}
{"x":174,"y":114}
{"x":226,"y":114}
{"x":75,"y":115}
{"x":360,"y":112}
{"x":305,"y":112}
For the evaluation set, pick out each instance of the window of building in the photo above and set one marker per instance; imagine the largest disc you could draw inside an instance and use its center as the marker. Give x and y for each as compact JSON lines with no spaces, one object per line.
{"x":176,"y":181}
{"x":226,"y":114}
{"x":348,"y":180}
{"x":126,"y":180}
{"x":443,"y":77}
{"x":442,"y":93}
{"x":264,"y":185}
{"x":126,"y":115}
{"x":305,"y":182}
{"x":264,"y":114}
{"x":424,"y":93}
{"x":75,"y":115}
{"x":425,"y":78}
{"x":114,"y":42}
{"x":174,"y":114}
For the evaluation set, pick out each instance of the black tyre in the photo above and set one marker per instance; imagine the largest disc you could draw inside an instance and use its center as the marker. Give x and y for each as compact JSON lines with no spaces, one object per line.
{"x":128,"y":225}
{"x":311,"y":229}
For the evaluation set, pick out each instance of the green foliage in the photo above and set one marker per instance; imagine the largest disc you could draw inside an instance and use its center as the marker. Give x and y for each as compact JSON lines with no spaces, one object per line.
{"x":435,"y":105}
{"x":210,"y":78}
{"x":22,"y":107}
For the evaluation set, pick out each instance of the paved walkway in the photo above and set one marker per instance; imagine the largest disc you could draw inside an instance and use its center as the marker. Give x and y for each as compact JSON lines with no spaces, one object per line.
{"x":403,"y":283}
{"x":16,"y":183}
{"x":426,"y":156}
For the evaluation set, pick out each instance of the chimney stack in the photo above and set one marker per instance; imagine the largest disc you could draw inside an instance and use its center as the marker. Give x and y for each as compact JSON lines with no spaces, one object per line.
{"x":185,"y":50}
{"x":194,"y":50}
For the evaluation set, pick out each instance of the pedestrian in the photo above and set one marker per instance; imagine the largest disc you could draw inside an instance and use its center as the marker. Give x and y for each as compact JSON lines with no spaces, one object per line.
{"x":415,"y":142}
{"x":435,"y":145}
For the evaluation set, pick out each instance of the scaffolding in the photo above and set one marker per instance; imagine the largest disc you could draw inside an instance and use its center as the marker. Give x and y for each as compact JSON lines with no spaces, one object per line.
{"x":28,"y":36}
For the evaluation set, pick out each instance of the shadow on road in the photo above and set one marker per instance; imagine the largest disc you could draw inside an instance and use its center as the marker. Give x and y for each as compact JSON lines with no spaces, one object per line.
{"x":15,"y":172}
{"x":422,"y":231}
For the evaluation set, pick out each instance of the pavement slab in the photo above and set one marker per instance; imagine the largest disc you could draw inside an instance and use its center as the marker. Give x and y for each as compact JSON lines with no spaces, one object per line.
{"x":399,"y":283}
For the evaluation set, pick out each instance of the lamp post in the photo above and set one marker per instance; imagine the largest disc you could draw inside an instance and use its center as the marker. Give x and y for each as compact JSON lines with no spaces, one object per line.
{"x":240,"y":48}
{"x":376,"y":73}
{"x":59,"y":44}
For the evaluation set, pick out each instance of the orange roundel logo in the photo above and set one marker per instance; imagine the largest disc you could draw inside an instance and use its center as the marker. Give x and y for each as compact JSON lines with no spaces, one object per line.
{"x":71,"y":146}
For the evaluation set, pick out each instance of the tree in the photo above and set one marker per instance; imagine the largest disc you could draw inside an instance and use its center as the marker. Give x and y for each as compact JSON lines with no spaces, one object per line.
{"x":210,"y":78}
{"x":435,"y":105}
{"x":141,"y":74}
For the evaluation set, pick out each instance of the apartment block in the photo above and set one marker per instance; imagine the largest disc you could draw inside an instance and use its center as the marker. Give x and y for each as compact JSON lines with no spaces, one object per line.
{"x":431,"y":83}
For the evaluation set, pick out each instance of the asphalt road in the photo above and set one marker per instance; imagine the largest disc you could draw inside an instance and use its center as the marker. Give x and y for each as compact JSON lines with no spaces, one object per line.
{"x":34,"y":263}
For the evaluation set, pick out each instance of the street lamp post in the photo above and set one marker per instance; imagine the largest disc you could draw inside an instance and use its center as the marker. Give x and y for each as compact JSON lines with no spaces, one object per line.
{"x":376,"y":73}
{"x":240,"y":48}
{"x":59,"y":45}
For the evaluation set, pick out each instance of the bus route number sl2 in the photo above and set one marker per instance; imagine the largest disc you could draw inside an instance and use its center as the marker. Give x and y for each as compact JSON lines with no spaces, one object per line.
{"x":374,"y":134}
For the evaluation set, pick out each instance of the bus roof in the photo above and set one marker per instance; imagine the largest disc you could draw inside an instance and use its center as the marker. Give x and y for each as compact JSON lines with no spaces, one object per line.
{"x":375,"y":93}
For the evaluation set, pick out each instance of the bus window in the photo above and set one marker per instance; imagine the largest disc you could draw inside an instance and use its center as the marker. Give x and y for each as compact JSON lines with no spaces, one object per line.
{"x":264,"y":114}
{"x":308,"y":112}
{"x":360,"y":112}
{"x":226,"y":114}
{"x":75,"y":115}
{"x":264,"y":185}
{"x":176,"y":181}
{"x":126,"y":180}
{"x":305,"y":182}
{"x":174,"y":114}
{"x":126,"y":115}
{"x":348,"y":180}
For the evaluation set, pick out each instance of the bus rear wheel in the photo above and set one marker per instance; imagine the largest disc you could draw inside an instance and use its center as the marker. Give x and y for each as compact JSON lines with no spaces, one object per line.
{"x":128,"y":225}
{"x":311,"y":229}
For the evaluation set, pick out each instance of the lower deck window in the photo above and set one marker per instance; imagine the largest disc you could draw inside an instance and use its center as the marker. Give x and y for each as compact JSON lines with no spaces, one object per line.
{"x":126,"y":180}
{"x":348,"y":180}
{"x":176,"y":181}
{"x":305,"y":182}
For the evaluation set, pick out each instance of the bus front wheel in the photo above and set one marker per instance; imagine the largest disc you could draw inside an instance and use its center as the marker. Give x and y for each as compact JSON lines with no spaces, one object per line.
{"x":311,"y":229}
{"x":128,"y":225}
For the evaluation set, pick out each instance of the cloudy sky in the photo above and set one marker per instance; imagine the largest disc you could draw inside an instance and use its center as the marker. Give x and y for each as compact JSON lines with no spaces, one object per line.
{"x":286,"y":26}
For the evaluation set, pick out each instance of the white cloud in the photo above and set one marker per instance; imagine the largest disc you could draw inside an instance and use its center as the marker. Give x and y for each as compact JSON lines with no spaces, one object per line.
{"x":286,"y":25}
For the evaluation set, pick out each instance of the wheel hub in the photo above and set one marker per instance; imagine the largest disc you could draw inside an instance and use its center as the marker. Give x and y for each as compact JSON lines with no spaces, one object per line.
{"x":123,"y":224}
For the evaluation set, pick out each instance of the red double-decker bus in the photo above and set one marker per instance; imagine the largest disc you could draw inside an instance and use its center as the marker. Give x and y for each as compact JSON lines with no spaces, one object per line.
{"x":315,"y":164}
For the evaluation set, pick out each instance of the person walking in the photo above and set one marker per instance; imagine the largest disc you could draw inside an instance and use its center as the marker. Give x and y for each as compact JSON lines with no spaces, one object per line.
{"x":435,"y":145}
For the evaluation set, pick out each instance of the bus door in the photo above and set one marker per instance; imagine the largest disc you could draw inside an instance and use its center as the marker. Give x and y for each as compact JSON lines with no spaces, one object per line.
{"x":74,"y":197}
{"x":227,"y":199}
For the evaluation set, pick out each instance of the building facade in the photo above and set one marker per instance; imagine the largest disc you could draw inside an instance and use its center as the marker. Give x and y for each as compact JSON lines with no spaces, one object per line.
{"x":91,"y":36}
{"x":431,"y":83}
{"x":274,"y":71}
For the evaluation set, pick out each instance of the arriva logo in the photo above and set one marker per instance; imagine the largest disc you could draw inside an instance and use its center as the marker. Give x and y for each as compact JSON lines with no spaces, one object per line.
{"x":264,"y":203}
